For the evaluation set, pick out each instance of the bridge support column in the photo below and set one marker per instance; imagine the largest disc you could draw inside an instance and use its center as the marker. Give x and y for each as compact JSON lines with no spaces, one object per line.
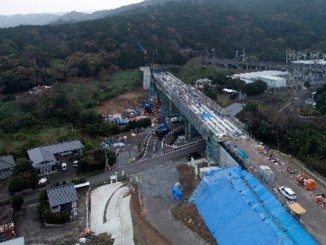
{"x":146,"y":77}
{"x":187,"y":128}
{"x":212,"y":148}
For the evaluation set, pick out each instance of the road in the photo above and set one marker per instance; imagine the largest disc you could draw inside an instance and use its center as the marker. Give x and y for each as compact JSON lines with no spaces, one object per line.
{"x":31,"y":197}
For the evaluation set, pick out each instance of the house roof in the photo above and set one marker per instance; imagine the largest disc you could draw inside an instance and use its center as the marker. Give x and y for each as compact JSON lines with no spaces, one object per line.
{"x":7,"y":162}
{"x":45,"y":154}
{"x":16,"y":241}
{"x":6,"y":214}
{"x":62,"y":194}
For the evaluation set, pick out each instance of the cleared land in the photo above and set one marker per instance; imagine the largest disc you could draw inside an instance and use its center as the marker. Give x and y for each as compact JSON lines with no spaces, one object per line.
{"x":119,"y":104}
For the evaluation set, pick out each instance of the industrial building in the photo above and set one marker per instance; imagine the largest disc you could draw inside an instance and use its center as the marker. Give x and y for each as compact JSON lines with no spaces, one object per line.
{"x":274,"y":79}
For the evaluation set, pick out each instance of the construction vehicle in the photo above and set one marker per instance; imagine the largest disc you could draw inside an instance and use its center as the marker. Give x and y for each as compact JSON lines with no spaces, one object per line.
{"x":306,"y":182}
{"x":147,"y":105}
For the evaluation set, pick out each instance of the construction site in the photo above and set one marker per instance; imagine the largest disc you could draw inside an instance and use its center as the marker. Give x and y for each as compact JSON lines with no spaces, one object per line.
{"x":252,"y":183}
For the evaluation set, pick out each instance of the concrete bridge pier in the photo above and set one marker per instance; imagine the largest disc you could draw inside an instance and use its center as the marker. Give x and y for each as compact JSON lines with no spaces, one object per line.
{"x":146,"y":77}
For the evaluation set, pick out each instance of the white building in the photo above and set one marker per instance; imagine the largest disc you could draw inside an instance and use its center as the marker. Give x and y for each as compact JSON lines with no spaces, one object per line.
{"x":274,"y":79}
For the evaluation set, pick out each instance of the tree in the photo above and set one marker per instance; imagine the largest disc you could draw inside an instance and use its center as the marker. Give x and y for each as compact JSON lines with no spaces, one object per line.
{"x":16,"y":183}
{"x":17,"y":202}
{"x":256,"y":87}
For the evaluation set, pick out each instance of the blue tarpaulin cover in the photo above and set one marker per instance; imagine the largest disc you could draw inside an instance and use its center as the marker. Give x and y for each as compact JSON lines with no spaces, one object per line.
{"x":238,"y":209}
{"x":206,"y":115}
{"x":177,"y":193}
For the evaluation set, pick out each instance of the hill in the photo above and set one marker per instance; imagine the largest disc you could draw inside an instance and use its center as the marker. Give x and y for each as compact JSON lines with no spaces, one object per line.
{"x":172,"y":32}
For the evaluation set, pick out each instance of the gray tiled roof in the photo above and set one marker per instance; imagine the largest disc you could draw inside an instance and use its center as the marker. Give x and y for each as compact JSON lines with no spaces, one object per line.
{"x":62,"y":194}
{"x":45,"y":154}
{"x":7,"y":162}
{"x":16,"y":241}
{"x":64,"y":146}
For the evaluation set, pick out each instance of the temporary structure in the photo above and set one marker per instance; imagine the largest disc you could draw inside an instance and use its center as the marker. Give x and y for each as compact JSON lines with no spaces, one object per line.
{"x":296,"y":208}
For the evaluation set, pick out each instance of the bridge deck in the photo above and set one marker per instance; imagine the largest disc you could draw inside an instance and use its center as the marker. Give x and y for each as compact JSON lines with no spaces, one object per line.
{"x":196,"y":105}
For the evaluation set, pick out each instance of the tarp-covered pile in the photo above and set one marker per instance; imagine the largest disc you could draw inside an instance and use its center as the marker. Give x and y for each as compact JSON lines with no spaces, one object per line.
{"x":238,"y":209}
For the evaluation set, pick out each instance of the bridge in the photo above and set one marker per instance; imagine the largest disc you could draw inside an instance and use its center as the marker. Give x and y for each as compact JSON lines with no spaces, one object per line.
{"x":201,"y":113}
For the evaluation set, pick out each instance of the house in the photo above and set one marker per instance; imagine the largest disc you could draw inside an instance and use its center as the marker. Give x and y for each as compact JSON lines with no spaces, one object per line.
{"x":7,"y":164}
{"x":45,"y":158}
{"x":16,"y":241}
{"x":6,"y":222}
{"x":63,"y":199}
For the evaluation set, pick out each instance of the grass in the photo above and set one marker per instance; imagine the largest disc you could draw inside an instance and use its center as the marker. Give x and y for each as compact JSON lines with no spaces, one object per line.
{"x":15,"y":143}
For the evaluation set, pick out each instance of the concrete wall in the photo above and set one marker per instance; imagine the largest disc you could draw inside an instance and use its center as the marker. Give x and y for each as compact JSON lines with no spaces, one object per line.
{"x":225,"y":159}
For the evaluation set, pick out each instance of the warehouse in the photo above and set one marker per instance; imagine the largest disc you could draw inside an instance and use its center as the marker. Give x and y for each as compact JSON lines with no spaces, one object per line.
{"x":274,"y":79}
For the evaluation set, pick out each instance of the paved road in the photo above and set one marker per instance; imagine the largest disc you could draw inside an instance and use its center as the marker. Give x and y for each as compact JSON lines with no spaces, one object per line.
{"x":31,"y":197}
{"x":149,"y":163}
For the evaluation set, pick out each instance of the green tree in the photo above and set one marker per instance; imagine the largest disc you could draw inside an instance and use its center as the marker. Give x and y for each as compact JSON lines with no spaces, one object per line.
{"x":256,"y":87}
{"x":16,"y":183}
{"x":17,"y":202}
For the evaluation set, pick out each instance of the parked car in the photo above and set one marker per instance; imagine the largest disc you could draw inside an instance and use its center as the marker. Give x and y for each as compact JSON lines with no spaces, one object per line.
{"x":195,"y":155}
{"x":43,"y":181}
{"x":287,"y":192}
{"x":64,"y":166}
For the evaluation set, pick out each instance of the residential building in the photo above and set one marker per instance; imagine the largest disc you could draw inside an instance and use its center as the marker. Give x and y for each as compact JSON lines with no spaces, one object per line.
{"x":45,"y":158}
{"x":63,"y":199}
{"x":7,"y":164}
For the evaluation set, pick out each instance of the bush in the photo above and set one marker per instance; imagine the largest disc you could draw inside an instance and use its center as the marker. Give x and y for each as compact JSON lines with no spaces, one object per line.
{"x":16,"y":183}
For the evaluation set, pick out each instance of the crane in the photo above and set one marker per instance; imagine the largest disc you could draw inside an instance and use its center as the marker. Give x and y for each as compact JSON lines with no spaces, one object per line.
{"x":163,"y":128}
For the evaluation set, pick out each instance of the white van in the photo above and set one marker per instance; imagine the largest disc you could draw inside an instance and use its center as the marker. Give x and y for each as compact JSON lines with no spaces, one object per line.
{"x":64,"y":166}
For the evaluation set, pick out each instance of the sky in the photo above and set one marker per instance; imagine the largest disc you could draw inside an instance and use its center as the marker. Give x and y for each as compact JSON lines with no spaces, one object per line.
{"x":11,"y":7}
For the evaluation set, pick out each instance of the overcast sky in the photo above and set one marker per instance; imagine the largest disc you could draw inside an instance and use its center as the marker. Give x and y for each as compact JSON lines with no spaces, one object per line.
{"x":11,"y":7}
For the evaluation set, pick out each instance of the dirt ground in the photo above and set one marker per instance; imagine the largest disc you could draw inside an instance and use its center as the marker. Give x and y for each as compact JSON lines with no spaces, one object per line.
{"x":144,"y":232}
{"x":119,"y":104}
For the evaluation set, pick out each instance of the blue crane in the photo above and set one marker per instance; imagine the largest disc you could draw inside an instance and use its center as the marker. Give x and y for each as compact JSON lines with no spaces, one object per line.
{"x":163,"y":128}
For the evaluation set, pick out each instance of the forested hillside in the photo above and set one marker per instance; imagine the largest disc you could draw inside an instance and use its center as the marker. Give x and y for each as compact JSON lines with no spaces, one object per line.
{"x":172,"y":32}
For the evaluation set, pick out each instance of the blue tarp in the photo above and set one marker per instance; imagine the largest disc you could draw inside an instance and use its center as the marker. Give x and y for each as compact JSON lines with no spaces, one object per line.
{"x":238,"y":209}
{"x":242,"y":153}
{"x":206,"y":115}
{"x":177,"y":193}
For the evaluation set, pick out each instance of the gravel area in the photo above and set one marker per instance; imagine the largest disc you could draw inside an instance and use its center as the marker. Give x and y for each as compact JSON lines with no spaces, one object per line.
{"x":155,"y":186}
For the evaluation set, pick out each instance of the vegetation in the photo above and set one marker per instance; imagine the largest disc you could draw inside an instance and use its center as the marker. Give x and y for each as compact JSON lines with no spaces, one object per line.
{"x":284,"y":129}
{"x":24,"y":176}
{"x":32,"y":55}
{"x":17,"y":202}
